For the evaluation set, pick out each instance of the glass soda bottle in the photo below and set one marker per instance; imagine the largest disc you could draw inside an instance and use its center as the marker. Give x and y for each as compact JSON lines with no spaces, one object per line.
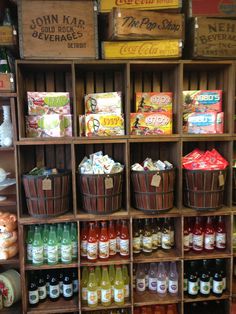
{"x":84,"y":240}
{"x":98,"y":275}
{"x":197,"y":236}
{"x":217,"y":288}
{"x":59,"y":239}
{"x":92,"y":245}
{"x":161,"y":280}
{"x":29,"y":243}
{"x":112,"y":238}
{"x":204,"y":282}
{"x":42,"y":290}
{"x":154,"y":235}
{"x":103,"y":243}
{"x":118,"y":225}
{"x":209,"y":236}
{"x":54,"y":287}
{"x":186,"y":236}
{"x":152,"y":278}
{"x":4,"y":64}
{"x":66,"y":246}
{"x":140,"y":285}
{"x":126,"y":280}
{"x":119,"y":296}
{"x":173,"y":280}
{"x":105,"y":288}
{"x":45,"y":242}
{"x":37,"y":248}
{"x":67,"y":286}
{"x":52,"y":247}
{"x":74,"y":241}
{"x":166,"y":235}
{"x":192,"y":280}
{"x":33,"y":293}
{"x":92,"y":289}
{"x":7,"y":20}
{"x":220,"y":234}
{"x":97,"y":229}
{"x":84,"y":283}
{"x":136,"y":239}
{"x":112,"y":275}
{"x":147,"y":238}
{"x":124,"y":239}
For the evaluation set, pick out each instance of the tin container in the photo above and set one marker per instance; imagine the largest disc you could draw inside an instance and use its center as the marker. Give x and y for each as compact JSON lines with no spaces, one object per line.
{"x":10,"y":284}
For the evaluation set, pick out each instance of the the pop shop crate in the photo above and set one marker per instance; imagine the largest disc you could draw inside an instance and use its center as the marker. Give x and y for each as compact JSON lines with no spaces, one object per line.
{"x":58,"y":29}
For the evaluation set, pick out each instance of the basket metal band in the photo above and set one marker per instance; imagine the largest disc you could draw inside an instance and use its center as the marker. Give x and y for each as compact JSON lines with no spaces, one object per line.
{"x":155,"y":193}
{"x":47,"y":198}
{"x":96,"y":196}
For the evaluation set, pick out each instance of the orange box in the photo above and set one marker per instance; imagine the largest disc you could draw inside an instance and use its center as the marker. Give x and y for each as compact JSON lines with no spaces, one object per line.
{"x":153,"y":101}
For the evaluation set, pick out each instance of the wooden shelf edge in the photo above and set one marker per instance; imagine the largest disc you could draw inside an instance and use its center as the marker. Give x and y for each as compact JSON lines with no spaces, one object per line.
{"x":121,"y":214}
{"x":113,"y":261}
{"x":28,"y":220}
{"x":189,"y":212}
{"x":174,"y":212}
{"x":8,"y":95}
{"x":46,"y":266}
{"x":112,"y":306}
{"x":210,"y":298}
{"x":206,"y":255}
{"x":12,"y":261}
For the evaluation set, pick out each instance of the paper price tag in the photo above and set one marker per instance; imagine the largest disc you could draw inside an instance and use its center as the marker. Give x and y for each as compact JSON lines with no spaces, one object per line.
{"x":221,"y":180}
{"x":108,"y":183}
{"x":47,"y":184}
{"x":156,"y":180}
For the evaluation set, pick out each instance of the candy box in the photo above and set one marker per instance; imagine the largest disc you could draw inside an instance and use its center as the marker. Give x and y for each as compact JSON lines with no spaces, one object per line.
{"x":160,"y":102}
{"x":82,"y":125}
{"x":104,"y":124}
{"x":40,"y":103}
{"x":53,"y":125}
{"x":103,"y":103}
{"x":150,"y":123}
{"x":205,"y":123}
{"x":202,"y":101}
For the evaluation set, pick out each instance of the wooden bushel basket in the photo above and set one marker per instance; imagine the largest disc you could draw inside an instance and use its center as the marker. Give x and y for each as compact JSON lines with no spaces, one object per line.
{"x":100,"y":193}
{"x":43,"y":202}
{"x":204,"y":189}
{"x":150,"y":196}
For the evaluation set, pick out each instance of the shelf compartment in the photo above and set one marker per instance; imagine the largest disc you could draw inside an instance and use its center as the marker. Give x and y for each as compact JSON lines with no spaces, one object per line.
{"x":101,"y":307}
{"x":148,"y":298}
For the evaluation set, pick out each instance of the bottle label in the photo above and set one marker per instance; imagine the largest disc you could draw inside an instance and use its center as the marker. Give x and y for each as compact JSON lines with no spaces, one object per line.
{"x":136,"y":245}
{"x":197,"y":242}
{"x":140,"y":285}
{"x":209,"y":241}
{"x":54,"y":291}
{"x":205,"y":287}
{"x":42,"y":292}
{"x":74,"y":249}
{"x":117,"y":244}
{"x":152,"y":284}
{"x":67,"y":290}
{"x":75,"y":285}
{"x":192,"y":288}
{"x":186,"y":242}
{"x":84,"y":294}
{"x":224,"y":283}
{"x":185,"y":284}
{"x":37,"y":254}
{"x":166,"y":241}
{"x":103,"y":249}
{"x":2,"y":61}
{"x":124,"y":247}
{"x":29,"y":252}
{"x":112,"y":247}
{"x":118,"y":295}
{"x":126,"y":292}
{"x":161,"y":286}
{"x":220,"y":240}
{"x":52,"y":254}
{"x":173,"y":286}
{"x":92,"y":251}
{"x":105,"y":295}
{"x":83,"y":248}
{"x":217,"y":287}
{"x":154,"y":241}
{"x":66,"y":253}
{"x":33,"y":297}
{"x":92,"y":297}
{"x":147,"y":244}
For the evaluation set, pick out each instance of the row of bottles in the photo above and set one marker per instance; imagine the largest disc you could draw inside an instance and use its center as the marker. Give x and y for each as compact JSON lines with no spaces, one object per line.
{"x":152,"y":234}
{"x":205,"y":277}
{"x":204,"y":234}
{"x":206,"y":307}
{"x":157,"y":309}
{"x":52,"y":244}
{"x":52,"y":284}
{"x":159,"y":278}
{"x":104,"y":239}
{"x":103,"y":285}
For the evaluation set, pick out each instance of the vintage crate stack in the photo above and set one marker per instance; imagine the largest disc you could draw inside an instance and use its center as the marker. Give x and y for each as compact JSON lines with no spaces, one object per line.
{"x":211,"y":29}
{"x":142,"y":31}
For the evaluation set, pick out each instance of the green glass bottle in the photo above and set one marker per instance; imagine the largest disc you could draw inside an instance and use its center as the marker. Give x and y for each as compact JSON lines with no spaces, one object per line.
{"x":37,"y":249}
{"x":45,"y":242}
{"x":126,"y":281}
{"x":29,"y":243}
{"x":119,"y":296}
{"x":74,"y":240}
{"x":59,"y":238}
{"x":98,"y":275}
{"x":92,"y":293}
{"x":84,"y":283}
{"x":4,"y":64}
{"x":105,"y":288}
{"x":52,"y":246}
{"x":66,"y":246}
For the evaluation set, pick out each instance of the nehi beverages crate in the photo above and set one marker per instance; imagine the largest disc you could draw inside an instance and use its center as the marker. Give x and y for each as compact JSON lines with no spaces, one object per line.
{"x":212,"y":38}
{"x":173,"y":5}
{"x":216,"y":8}
{"x":151,"y":49}
{"x":136,"y":24}
{"x":58,"y":29}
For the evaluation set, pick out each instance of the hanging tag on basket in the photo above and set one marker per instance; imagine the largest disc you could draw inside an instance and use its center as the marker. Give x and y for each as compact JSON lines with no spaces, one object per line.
{"x":221,"y":179}
{"x":156,"y":180}
{"x":47,"y":184}
{"x":108,"y":183}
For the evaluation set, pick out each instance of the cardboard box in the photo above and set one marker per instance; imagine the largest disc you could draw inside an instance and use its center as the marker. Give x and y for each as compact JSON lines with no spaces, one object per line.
{"x":104,"y":125}
{"x":40,"y":103}
{"x":57,"y":29}
{"x":216,"y":8}
{"x":135,"y":24}
{"x":153,"y":101}
{"x":155,"y":49}
{"x":7,"y":83}
{"x":150,"y":123}
{"x":53,"y":125}
{"x":205,"y":123}
{"x":103,"y":103}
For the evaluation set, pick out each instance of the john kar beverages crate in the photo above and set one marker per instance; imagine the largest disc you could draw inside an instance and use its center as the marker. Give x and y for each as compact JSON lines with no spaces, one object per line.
{"x":48,"y":195}
{"x":100,"y":193}
{"x":204,"y":189}
{"x":153,"y":190}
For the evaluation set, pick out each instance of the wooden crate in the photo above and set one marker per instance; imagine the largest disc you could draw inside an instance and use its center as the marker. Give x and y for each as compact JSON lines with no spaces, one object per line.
{"x":107,"y":5}
{"x":58,"y":29}
{"x":212,"y":38}
{"x":155,"y":49}
{"x":216,"y":8}
{"x":7,"y":36}
{"x":136,"y":24}
{"x":6,"y":82}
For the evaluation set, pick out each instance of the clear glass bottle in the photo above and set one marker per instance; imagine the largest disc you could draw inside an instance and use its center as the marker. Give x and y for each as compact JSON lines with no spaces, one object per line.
{"x":7,"y":20}
{"x":6,"y":130}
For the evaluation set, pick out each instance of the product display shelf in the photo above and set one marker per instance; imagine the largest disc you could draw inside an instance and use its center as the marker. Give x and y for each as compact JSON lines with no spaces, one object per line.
{"x":116,"y":260}
{"x":110,"y":307}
